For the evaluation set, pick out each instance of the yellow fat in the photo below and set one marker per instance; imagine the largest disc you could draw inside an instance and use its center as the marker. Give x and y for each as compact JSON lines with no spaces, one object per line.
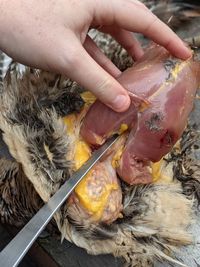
{"x":98,"y":139}
{"x":92,"y":203}
{"x":123,"y":128}
{"x":95,"y":204}
{"x":156,"y":170}
{"x":174,"y":73}
{"x":88,"y":97}
{"x":157,"y":173}
{"x":144,"y":105}
{"x":116,"y":157}
{"x":178,"y":67}
{"x":70,"y":122}
{"x":82,"y":153}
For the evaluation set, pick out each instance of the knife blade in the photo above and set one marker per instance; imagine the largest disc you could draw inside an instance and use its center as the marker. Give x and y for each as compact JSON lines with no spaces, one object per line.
{"x":14,"y":252}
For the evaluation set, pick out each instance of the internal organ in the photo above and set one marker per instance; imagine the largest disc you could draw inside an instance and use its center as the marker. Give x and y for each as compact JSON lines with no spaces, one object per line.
{"x":143,"y":79}
{"x":167,"y":86}
{"x":98,"y":197}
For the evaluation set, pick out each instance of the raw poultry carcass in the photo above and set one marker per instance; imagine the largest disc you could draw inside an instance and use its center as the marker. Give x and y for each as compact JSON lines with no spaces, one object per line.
{"x":43,"y":119}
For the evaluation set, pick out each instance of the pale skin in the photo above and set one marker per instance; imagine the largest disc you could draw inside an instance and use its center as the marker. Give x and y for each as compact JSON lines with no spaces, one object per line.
{"x":53,"y":35}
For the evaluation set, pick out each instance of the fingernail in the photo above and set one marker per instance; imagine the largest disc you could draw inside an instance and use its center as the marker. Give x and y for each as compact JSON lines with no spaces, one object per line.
{"x":120,"y":103}
{"x":187,"y":51}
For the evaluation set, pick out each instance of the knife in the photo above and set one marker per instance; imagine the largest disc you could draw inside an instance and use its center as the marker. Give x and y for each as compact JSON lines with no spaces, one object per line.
{"x":14,"y":252}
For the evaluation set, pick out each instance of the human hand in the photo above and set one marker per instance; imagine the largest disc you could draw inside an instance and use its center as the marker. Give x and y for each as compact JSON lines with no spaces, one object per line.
{"x":52,"y":35}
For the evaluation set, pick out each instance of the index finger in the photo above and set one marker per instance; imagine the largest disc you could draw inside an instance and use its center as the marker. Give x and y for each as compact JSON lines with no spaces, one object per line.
{"x":129,"y":15}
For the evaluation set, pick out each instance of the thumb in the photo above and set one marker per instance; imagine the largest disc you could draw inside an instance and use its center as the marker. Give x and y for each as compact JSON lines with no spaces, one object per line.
{"x":82,"y":68}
